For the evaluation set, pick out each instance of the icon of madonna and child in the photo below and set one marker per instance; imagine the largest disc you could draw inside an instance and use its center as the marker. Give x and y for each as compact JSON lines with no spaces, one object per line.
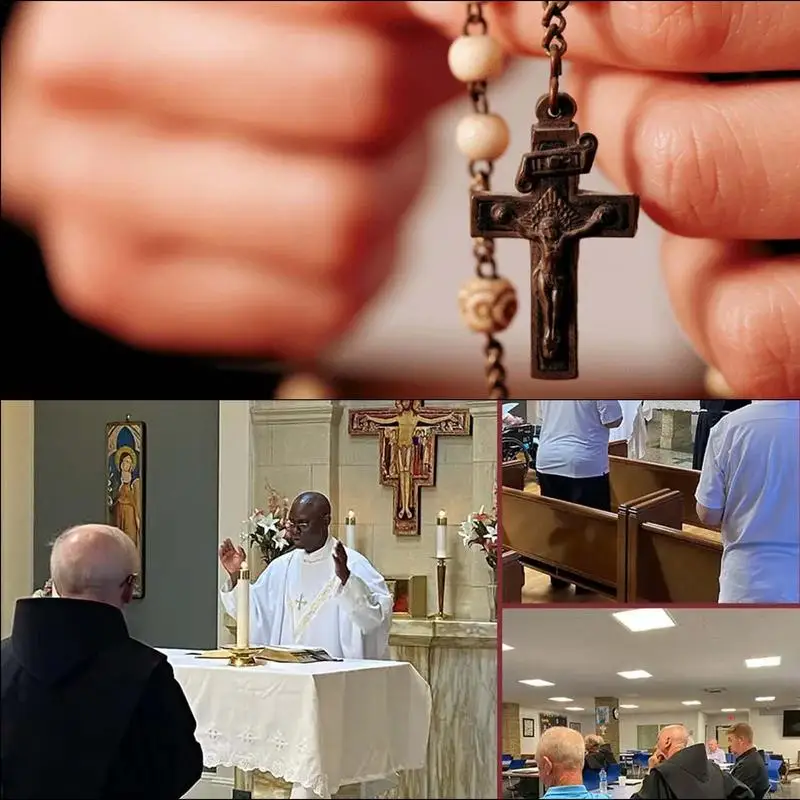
{"x":124,"y":452}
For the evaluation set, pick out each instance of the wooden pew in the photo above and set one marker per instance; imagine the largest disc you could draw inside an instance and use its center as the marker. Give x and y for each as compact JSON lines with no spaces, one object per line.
{"x":666,"y":564}
{"x":632,"y":479}
{"x":619,"y":449}
{"x":513,"y":577}
{"x":514,"y":473}
{"x":574,"y":543}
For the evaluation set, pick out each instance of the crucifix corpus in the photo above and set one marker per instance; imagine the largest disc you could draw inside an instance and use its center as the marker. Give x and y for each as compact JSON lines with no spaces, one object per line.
{"x":550,"y":211}
{"x":407,"y":436}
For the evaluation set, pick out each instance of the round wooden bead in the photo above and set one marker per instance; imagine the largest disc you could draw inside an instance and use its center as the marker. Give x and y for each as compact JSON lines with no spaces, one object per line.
{"x":475,"y":58}
{"x":488,"y":305}
{"x":482,"y":137}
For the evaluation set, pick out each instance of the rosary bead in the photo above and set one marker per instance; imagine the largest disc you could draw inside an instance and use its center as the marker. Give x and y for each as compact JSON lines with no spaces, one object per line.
{"x":482,"y":137}
{"x":488,"y":305}
{"x":475,"y":58}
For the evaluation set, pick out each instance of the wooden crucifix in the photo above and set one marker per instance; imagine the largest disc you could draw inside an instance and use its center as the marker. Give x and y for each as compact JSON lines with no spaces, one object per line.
{"x":407,"y":437}
{"x":554,"y":215}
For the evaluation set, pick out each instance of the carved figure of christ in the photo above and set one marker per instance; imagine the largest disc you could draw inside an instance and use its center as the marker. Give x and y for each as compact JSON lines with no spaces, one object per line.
{"x":408,"y":417}
{"x":553,"y":214}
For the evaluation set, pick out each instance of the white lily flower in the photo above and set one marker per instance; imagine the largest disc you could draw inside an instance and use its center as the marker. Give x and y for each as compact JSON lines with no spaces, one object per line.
{"x":465,"y":532}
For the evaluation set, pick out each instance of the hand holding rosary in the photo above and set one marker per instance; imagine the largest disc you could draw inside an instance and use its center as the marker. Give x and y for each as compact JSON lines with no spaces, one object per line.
{"x":550,"y":211}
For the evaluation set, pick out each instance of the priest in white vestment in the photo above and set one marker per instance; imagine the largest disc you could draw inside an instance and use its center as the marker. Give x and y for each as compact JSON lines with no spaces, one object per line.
{"x":635,"y":415}
{"x":321,"y":594}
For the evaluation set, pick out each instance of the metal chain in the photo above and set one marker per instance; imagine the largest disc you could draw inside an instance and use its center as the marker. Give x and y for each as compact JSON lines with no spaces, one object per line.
{"x":554,"y":45}
{"x":481,"y":174}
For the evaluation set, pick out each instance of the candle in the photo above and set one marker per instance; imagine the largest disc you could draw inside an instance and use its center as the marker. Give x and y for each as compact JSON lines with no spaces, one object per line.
{"x":243,"y":607}
{"x":441,"y":534}
{"x":350,"y":530}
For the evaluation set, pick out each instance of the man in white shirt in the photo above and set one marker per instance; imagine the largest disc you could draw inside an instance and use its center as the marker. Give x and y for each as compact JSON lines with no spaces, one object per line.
{"x":714,"y":752}
{"x":321,"y":594}
{"x":749,"y":485}
{"x":572,"y":459}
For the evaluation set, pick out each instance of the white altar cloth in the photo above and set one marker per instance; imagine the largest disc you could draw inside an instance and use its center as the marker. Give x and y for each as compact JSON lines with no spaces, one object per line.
{"x":322,"y":725}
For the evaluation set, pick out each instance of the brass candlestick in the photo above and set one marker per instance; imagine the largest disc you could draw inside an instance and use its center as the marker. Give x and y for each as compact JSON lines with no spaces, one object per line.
{"x":441,"y":578}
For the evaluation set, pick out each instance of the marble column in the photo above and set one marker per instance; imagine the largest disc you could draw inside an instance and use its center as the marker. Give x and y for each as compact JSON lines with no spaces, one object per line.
{"x":606,"y":723}
{"x":459,"y":661}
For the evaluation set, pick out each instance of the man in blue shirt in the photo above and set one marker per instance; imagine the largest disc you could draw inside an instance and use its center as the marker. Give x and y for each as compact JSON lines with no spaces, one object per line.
{"x":748,"y":486}
{"x":560,"y":756}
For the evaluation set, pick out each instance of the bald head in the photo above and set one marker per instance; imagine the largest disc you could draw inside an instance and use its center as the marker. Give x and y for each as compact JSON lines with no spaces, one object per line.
{"x":672,"y":739}
{"x":560,"y":757}
{"x":94,"y":562}
{"x":309,"y":518}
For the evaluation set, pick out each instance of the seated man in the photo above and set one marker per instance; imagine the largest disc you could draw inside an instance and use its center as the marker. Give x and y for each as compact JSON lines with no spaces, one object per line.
{"x":87,"y":711}
{"x":679,"y":771}
{"x":749,"y":767}
{"x":599,"y":755}
{"x":715,"y":752}
{"x":748,"y":485}
{"x":560,"y":756}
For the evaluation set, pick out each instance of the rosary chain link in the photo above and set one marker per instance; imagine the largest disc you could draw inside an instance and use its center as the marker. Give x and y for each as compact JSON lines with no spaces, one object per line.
{"x":555,"y":45}
{"x":481,"y":174}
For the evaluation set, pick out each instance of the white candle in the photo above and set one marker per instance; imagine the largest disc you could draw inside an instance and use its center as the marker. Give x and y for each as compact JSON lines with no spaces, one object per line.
{"x":441,"y":535}
{"x":350,"y":530}
{"x":243,"y":607}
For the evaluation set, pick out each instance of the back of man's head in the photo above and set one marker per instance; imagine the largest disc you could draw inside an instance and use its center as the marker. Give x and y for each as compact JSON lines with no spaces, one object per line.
{"x":672,"y":739}
{"x":560,"y":757}
{"x":94,"y":562}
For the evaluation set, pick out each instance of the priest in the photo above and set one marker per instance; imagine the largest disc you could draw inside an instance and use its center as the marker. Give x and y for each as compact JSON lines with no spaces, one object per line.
{"x":321,"y":594}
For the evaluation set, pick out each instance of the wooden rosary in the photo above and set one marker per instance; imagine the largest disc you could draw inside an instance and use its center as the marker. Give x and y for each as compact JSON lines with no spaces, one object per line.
{"x":550,"y":211}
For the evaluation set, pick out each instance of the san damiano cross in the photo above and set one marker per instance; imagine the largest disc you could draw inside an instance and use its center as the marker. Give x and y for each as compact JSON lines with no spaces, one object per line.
{"x":407,"y":436}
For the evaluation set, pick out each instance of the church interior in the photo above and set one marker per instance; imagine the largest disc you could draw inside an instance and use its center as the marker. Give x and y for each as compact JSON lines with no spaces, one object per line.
{"x":625,"y":675}
{"x":646,"y":548}
{"x":208,"y":464}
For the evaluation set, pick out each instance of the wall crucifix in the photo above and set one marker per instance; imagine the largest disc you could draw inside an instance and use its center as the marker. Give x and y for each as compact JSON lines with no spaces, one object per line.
{"x":407,"y":436}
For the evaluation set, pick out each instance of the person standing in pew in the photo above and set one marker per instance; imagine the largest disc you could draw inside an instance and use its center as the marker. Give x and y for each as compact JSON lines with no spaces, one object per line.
{"x":748,"y":487}
{"x":680,"y":771}
{"x":572,"y":458}
{"x":711,"y":412}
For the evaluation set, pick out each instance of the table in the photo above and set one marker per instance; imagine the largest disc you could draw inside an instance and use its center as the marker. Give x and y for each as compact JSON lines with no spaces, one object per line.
{"x":630,"y":788}
{"x":320,"y":725}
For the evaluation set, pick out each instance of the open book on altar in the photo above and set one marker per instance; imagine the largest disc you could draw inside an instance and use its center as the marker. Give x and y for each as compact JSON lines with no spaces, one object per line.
{"x":286,"y":655}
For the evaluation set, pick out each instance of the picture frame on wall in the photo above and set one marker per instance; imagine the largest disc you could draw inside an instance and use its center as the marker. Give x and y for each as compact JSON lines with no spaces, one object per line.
{"x":547,"y":721}
{"x":576,"y":726}
{"x":528,"y":728}
{"x":125,"y":487}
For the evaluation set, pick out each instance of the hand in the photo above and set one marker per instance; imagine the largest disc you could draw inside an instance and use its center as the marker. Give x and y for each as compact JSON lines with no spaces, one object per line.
{"x":707,"y":158}
{"x":231,"y":558}
{"x":218,"y":159}
{"x":657,"y":758}
{"x":340,"y":563}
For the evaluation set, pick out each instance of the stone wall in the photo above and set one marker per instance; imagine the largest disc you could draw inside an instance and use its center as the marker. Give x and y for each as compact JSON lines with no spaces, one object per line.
{"x":302,"y":445}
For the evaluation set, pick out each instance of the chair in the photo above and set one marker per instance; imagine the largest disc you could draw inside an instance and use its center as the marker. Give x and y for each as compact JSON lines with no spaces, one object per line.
{"x":591,"y":779}
{"x":613,"y":773}
{"x":773,"y":773}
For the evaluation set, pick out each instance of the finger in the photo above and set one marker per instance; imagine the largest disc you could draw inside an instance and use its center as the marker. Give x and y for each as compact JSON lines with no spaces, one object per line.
{"x":242,"y":554}
{"x":666,"y":36}
{"x":314,"y":85}
{"x":306,"y":213}
{"x":741,"y":309}
{"x":709,"y":160}
{"x":196,"y":303}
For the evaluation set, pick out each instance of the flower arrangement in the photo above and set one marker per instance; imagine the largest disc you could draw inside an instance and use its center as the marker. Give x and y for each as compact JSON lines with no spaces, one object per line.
{"x":480,"y":531}
{"x":267,"y":529}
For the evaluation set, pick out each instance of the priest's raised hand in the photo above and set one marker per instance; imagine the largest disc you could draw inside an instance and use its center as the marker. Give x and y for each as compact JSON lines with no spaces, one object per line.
{"x":231,"y":558}
{"x":340,"y":562}
{"x":320,"y":594}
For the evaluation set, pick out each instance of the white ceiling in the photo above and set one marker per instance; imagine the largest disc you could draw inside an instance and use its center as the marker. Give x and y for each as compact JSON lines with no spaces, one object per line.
{"x":582,"y":650}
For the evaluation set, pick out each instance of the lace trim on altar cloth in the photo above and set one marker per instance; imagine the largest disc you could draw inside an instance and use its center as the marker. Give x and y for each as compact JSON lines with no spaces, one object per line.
{"x":299,"y":766}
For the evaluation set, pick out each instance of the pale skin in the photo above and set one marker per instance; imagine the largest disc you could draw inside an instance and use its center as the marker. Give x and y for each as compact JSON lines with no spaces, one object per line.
{"x":181,"y":142}
{"x":671,"y":739}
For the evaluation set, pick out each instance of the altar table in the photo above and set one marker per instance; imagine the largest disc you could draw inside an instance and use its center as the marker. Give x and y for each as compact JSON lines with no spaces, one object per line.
{"x":322,"y":725}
